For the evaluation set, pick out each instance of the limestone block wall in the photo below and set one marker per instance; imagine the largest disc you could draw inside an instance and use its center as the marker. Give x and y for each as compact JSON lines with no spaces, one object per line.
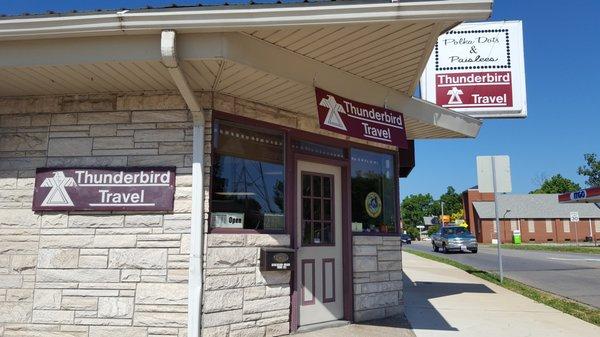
{"x":377,"y":277}
{"x":96,"y":275}
{"x":239,"y":299}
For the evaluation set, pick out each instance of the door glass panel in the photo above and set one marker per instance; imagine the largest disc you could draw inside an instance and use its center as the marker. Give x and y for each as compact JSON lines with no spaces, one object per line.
{"x":326,"y":187}
{"x":326,"y":209}
{"x":307,"y":233}
{"x":306,"y":185}
{"x":316,"y":186}
{"x":306,"y":208}
{"x":327,"y":236}
{"x":317,"y":233}
{"x":317,"y":210}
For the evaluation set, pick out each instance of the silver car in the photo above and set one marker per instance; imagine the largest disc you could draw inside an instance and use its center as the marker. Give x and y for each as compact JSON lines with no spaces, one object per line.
{"x":454,"y":238}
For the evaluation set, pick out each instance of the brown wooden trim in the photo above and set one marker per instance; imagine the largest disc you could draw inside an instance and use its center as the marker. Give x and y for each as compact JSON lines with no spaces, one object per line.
{"x":297,"y":133}
{"x":292,"y":186}
{"x":325,"y":298}
{"x":308,"y":261}
{"x":321,"y":160}
{"x":396,"y":170}
{"x":347,"y":265}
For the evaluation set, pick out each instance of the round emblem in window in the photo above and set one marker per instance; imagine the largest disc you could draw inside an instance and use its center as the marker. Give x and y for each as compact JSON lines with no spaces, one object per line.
{"x":373,"y":204}
{"x":280,"y":257}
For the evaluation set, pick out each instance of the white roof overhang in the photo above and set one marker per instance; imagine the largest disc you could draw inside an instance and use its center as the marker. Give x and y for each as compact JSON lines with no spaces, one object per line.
{"x":234,"y":18}
{"x":275,"y":56}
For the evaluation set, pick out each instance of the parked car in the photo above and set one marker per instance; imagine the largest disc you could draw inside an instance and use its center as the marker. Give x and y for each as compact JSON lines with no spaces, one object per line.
{"x":405,"y":238}
{"x":453,"y":238}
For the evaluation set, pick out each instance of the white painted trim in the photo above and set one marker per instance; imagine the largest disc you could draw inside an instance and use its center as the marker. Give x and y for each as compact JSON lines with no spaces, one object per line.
{"x":269,"y":58}
{"x":169,"y":59}
{"x":197,"y":231}
{"x":234,"y":18}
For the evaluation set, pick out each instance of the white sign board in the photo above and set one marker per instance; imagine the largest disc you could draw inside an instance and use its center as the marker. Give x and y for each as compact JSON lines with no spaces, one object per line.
{"x":574,"y":216}
{"x":227,"y":220}
{"x":490,"y":166}
{"x":478,"y":69}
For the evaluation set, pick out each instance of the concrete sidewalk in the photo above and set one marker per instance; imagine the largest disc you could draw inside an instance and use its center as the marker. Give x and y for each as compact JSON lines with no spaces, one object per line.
{"x":396,"y":326}
{"x":442,"y":300}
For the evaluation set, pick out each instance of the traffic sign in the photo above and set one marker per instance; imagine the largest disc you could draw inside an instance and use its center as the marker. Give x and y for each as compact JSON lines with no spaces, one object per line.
{"x":574,"y":216}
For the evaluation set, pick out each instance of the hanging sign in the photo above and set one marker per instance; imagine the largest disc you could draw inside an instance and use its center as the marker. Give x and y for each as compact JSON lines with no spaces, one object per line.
{"x":478,"y":69}
{"x":104,"y":189}
{"x":360,"y":120}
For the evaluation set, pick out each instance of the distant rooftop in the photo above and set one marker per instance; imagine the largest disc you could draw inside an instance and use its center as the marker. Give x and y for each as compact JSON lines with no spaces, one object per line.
{"x":534,"y":206}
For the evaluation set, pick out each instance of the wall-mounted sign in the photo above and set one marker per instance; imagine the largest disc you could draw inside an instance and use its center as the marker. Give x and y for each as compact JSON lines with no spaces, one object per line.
{"x":478,"y":69}
{"x":104,"y":189}
{"x":588,"y":195}
{"x":360,"y":120}
{"x":276,"y":259}
{"x":227,"y":220}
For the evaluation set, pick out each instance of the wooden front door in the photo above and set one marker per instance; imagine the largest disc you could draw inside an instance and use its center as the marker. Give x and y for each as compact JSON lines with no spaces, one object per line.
{"x":319,"y":229}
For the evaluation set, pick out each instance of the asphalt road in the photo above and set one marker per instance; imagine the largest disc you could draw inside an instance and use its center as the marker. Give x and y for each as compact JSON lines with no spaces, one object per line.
{"x":575,"y":276}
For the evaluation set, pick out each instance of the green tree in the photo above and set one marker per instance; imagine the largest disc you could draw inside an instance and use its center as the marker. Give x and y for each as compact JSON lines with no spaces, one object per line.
{"x":415,"y":207}
{"x":591,"y":170}
{"x":556,"y":184}
{"x":452,"y":201}
{"x":432,"y":229}
{"x":413,"y":232}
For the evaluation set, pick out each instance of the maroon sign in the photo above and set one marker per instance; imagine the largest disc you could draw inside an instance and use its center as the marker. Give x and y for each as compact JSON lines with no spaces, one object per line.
{"x":106,"y":189}
{"x":474,"y":90}
{"x":360,"y":120}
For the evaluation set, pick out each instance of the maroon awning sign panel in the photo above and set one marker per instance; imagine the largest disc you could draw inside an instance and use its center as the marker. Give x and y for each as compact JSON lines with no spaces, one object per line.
{"x":104,"y":189}
{"x":360,"y":120}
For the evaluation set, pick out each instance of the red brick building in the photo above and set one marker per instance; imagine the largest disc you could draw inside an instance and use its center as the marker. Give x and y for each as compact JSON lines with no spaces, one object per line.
{"x":540,"y":217}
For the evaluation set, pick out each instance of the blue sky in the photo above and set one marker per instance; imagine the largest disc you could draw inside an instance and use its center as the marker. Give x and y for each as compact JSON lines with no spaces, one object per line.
{"x":561,"y":50}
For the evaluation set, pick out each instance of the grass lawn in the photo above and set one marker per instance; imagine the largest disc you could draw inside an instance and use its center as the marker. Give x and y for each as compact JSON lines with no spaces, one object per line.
{"x":581,"y":311}
{"x":552,"y":248}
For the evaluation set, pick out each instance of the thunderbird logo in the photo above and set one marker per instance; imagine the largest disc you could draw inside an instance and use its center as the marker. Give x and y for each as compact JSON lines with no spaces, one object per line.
{"x":333,"y":117}
{"x":454,"y":94}
{"x":58,"y":196}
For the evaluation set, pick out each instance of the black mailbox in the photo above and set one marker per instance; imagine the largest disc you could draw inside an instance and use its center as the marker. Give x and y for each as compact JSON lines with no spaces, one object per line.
{"x":276,"y":258}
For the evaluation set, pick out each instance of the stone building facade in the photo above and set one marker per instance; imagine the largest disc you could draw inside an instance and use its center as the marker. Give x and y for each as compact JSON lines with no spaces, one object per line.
{"x":82,"y":274}
{"x":92,"y":274}
{"x":282,"y":218}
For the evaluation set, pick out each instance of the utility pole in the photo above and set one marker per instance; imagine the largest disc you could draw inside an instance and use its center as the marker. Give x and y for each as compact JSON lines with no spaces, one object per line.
{"x":498,"y":225}
{"x":576,"y":234}
{"x":592,"y":233}
{"x":442,"y":217}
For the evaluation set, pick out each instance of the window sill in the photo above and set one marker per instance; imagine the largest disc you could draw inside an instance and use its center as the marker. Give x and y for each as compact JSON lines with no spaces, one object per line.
{"x":374,"y":234}
{"x":243,"y":231}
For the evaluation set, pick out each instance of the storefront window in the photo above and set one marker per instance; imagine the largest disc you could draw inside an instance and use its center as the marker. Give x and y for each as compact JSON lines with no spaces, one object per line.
{"x":373,"y":192}
{"x":247,"y":179}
